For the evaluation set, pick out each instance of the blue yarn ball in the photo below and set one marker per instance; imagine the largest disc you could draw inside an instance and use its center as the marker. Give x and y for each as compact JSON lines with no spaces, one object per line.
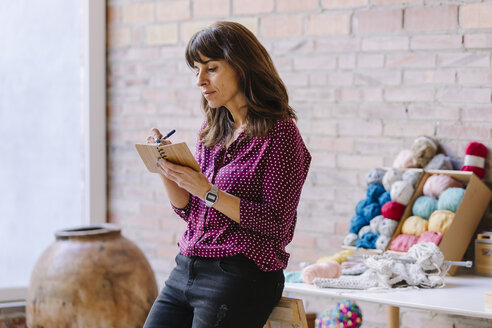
{"x":384,"y":198}
{"x":450,"y":199}
{"x":424,"y":206}
{"x":368,"y":240}
{"x":374,"y":191}
{"x":356,"y":223}
{"x":360,"y":206}
{"x":370,"y":211}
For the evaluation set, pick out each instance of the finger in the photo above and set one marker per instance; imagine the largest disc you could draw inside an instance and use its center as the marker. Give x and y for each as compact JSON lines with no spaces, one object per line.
{"x":156,"y":134}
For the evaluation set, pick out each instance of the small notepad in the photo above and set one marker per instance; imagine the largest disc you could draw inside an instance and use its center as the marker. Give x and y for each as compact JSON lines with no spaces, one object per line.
{"x":175,"y":153}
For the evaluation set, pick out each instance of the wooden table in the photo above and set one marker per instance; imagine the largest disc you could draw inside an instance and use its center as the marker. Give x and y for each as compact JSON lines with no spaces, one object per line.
{"x":462,"y":295}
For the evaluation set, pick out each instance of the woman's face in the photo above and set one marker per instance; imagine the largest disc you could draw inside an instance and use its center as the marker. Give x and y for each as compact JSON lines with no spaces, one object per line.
{"x":219,"y":83}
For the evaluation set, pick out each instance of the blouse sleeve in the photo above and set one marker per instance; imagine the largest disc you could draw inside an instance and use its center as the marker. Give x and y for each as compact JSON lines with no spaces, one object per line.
{"x":285,"y":172}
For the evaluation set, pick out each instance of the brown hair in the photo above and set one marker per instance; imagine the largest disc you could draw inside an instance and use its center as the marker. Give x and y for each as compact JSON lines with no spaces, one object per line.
{"x":266,"y":95}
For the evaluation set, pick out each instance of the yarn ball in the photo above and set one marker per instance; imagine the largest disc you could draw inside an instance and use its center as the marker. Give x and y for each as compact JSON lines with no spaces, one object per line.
{"x":293,"y":276}
{"x":450,"y":199}
{"x":360,"y":205}
{"x":384,"y":198}
{"x":339,"y":257}
{"x":423,"y":149}
{"x":350,"y":239}
{"x":430,"y":236}
{"x":402,"y":191}
{"x":382,"y":242}
{"x":404,"y":160}
{"x":393,"y":210}
{"x":390,"y":177}
{"x":373,"y":192}
{"x":475,"y":154}
{"x":437,"y":183}
{"x":364,"y":230}
{"x":412,"y":176}
{"x":367,"y":240}
{"x":439,"y":162}
{"x":424,"y":206}
{"x":345,"y":314}
{"x":356,"y":223}
{"x":375,"y":223}
{"x":387,"y":227}
{"x":414,"y":225}
{"x":402,"y":243}
{"x":440,"y":221}
{"x":328,"y":269}
{"x":375,"y":176}
{"x":370,"y":211}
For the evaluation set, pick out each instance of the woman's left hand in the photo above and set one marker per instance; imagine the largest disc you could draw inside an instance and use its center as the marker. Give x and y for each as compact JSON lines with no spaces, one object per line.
{"x":190,"y":180}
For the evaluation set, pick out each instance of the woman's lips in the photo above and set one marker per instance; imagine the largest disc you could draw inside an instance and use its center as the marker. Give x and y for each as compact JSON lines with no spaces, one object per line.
{"x":208,"y":93}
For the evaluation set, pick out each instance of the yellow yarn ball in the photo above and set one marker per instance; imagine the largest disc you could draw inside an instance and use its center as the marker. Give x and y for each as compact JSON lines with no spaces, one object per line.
{"x":339,"y":257}
{"x":414,"y":225}
{"x":440,"y":221}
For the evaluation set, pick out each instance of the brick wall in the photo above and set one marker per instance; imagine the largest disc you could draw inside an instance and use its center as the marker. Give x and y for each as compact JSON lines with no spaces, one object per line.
{"x":366,"y":78}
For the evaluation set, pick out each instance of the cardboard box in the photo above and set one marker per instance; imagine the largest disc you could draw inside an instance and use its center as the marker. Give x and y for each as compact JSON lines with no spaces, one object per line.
{"x":483,"y":254}
{"x":469,"y":214}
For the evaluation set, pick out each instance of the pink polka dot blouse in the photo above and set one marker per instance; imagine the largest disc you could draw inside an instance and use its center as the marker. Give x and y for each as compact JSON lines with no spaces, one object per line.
{"x":267,"y":174}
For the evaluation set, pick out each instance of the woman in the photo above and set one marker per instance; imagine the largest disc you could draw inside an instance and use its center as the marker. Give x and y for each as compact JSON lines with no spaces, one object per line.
{"x":241,"y":208}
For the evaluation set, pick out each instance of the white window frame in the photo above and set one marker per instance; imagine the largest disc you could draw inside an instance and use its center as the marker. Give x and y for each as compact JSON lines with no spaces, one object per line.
{"x":93,"y":116}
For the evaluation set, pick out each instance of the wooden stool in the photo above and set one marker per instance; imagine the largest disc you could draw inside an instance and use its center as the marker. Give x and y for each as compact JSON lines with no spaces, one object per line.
{"x":289,"y":313}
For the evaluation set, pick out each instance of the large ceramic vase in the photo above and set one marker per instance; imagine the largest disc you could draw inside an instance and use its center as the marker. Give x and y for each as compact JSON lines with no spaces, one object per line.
{"x":91,"y":277}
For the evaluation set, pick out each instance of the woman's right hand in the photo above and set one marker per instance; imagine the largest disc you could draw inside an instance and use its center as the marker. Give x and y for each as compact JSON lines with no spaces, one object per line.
{"x":155,"y":135}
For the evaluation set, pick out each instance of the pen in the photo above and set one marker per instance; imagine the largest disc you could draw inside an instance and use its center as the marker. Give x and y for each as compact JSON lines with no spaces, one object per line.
{"x":167,"y":135}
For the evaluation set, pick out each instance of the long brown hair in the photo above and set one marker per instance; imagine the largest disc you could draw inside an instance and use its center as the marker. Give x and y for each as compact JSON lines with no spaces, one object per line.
{"x":266,"y":95}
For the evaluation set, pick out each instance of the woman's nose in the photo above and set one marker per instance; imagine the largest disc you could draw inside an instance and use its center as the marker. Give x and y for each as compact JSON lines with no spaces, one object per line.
{"x":200,"y":79}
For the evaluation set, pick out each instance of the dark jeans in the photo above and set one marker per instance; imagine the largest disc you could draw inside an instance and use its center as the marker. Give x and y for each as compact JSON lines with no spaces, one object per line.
{"x":226,"y":292}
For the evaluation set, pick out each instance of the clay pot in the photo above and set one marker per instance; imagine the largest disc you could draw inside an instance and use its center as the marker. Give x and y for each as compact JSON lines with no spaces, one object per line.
{"x":91,"y":277}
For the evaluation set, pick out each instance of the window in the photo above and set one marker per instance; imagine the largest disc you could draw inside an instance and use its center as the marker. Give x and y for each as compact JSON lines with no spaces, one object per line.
{"x":52,"y":129}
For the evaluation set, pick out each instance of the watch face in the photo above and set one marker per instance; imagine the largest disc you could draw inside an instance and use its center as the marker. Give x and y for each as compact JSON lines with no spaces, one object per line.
{"x":211,"y":197}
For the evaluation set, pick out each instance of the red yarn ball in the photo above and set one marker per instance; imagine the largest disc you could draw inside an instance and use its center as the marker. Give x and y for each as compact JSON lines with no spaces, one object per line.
{"x":475,"y":154}
{"x":393,"y":210}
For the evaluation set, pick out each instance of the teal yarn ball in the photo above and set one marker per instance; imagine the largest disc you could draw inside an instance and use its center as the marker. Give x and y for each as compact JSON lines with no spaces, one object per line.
{"x":424,"y":206}
{"x":450,"y":199}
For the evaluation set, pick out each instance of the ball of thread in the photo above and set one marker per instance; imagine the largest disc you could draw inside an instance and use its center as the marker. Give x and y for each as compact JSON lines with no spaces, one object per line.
{"x":450,"y":199}
{"x":430,"y":236}
{"x":424,"y":206}
{"x":440,"y":221}
{"x":404,"y":160}
{"x":364,"y":230}
{"x":387,"y":227}
{"x":375,"y":176}
{"x":350,"y":239}
{"x":384,"y":198}
{"x":373,"y":192}
{"x":423,"y":149}
{"x":402,"y":191}
{"x":475,"y":154}
{"x":375,"y":223}
{"x":356,"y":223}
{"x":402,"y":243}
{"x":339,"y":257}
{"x":370,"y":211}
{"x":382,"y":242}
{"x":412,"y":176}
{"x":345,"y":314}
{"x":367,"y":241}
{"x":329,"y":269}
{"x":414,"y":225}
{"x":360,"y":205}
{"x":437,"y":183}
{"x":439,"y":162}
{"x":390,"y":177}
{"x":393,"y":210}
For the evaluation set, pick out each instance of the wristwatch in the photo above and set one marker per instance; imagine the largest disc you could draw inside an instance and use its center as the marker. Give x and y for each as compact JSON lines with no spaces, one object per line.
{"x":212,"y":196}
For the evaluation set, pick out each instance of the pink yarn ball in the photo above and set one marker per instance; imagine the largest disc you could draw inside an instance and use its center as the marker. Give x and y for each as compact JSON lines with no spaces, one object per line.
{"x":437,"y":183}
{"x":430,"y":236}
{"x":402,"y":243}
{"x":404,"y":160}
{"x":328,"y":269}
{"x":475,"y":155}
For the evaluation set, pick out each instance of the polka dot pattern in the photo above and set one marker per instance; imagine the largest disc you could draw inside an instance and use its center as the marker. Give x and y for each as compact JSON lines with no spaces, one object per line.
{"x":267,"y":174}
